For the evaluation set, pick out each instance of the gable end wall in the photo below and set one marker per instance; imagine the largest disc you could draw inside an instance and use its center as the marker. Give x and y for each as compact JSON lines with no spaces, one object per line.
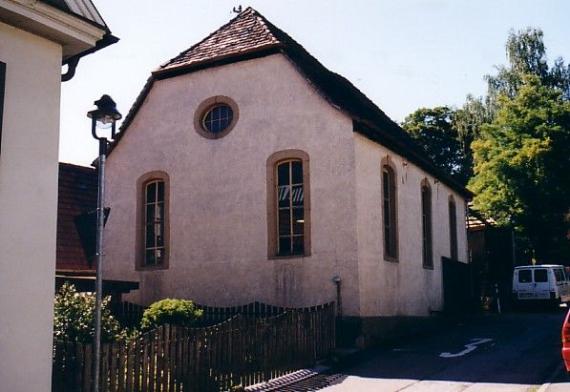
{"x":218,"y":198}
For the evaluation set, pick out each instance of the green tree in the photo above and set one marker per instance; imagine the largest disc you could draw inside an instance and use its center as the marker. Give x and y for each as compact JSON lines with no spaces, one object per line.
{"x":522,"y":166}
{"x":526,"y":55}
{"x":468,"y":121}
{"x":170,"y":311}
{"x":73,"y":317}
{"x":435,"y":131}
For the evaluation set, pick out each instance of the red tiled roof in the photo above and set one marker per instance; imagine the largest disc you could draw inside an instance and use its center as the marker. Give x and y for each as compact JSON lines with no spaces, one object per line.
{"x":250,"y":35}
{"x":77,"y":189}
{"x":247,"y":32}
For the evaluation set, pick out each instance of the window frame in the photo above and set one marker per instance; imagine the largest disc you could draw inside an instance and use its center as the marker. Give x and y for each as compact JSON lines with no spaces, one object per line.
{"x":2,"y":93}
{"x":453,"y":244}
{"x":142,"y":183}
{"x":559,"y":272}
{"x":205,"y":107}
{"x":427,"y":225}
{"x":273,"y":161}
{"x":544,"y":279}
{"x":210,"y":112}
{"x":388,"y":167}
{"x":525,"y":272}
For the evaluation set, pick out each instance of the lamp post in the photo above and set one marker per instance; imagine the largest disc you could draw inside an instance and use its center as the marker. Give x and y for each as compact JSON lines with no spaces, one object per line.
{"x":102,"y":119}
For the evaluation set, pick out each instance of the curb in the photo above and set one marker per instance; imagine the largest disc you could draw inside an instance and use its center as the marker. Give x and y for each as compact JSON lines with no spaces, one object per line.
{"x":340,"y":359}
{"x":544,"y":387}
{"x":287,"y":380}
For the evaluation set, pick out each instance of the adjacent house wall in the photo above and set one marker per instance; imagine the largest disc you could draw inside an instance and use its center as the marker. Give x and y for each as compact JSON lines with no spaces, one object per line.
{"x":218,"y":203}
{"x":28,"y":191}
{"x":403,"y":288}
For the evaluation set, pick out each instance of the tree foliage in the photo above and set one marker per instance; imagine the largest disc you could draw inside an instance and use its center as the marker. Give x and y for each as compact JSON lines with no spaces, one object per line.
{"x":74,"y":317}
{"x":512,"y":144}
{"x":526,"y":55}
{"x":520,"y":160}
{"x":170,"y":311}
{"x":446,"y":135}
{"x":522,"y":165}
{"x":433,"y":130}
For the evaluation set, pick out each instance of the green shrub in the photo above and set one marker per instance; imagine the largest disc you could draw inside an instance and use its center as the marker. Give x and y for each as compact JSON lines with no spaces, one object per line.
{"x":170,"y":311}
{"x":74,"y":317}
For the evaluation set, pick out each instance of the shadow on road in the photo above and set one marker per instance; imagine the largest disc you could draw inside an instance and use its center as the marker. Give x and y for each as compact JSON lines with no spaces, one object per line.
{"x":512,"y":348}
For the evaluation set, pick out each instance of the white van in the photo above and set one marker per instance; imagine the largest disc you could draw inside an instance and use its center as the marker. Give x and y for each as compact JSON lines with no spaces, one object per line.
{"x":541,"y":282}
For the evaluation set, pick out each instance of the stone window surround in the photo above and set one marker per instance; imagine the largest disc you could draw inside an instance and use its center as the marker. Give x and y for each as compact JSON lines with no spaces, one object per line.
{"x":140,"y":220}
{"x":2,"y":88}
{"x":427,"y":264}
{"x":203,"y":109}
{"x":387,"y":162}
{"x":453,"y":245}
{"x":271,"y":166}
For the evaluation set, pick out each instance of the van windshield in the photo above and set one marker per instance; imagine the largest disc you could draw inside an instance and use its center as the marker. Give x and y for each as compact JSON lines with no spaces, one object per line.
{"x":540,"y":276}
{"x":524,"y":276}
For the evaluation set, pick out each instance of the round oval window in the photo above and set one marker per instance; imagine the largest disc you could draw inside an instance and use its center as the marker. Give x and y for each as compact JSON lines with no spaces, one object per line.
{"x":218,"y":118}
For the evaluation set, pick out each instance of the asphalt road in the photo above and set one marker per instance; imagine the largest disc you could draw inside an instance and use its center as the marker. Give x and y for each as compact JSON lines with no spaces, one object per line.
{"x":511,"y":352}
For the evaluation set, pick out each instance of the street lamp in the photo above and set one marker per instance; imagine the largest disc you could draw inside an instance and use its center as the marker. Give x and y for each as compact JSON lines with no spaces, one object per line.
{"x":102,"y":119}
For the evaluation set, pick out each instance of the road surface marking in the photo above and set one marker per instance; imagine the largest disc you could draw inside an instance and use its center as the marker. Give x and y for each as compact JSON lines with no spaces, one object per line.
{"x":468,"y":348}
{"x":544,"y":387}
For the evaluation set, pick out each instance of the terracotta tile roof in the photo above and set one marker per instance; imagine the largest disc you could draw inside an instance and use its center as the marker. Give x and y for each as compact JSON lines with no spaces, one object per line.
{"x":245,"y":33}
{"x":250,"y":35}
{"x":77,"y":189}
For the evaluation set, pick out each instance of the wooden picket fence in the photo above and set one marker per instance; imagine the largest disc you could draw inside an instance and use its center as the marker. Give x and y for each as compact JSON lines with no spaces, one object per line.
{"x":129,"y":314}
{"x":213,"y":315}
{"x":240,"y":351}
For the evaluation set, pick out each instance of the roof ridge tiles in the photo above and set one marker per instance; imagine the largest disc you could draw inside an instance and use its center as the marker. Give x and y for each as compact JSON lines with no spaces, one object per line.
{"x":248,"y":14}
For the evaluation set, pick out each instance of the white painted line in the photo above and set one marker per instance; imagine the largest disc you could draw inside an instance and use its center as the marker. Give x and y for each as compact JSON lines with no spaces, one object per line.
{"x":468,"y":348}
{"x":544,"y":387}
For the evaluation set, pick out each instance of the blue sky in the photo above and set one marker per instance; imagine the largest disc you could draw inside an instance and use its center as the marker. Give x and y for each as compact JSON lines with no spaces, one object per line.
{"x":403,"y":54}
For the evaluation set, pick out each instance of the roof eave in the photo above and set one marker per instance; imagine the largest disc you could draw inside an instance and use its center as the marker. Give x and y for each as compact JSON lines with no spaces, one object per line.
{"x":260,"y":51}
{"x":373,"y":133}
{"x":107,"y":40}
{"x":77,"y":13}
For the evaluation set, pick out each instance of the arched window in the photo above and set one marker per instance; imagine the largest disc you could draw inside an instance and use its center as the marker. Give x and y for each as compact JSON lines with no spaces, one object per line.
{"x":288,"y":204}
{"x":427,"y":254}
{"x":452,"y":228}
{"x":153,"y":234}
{"x":389,"y":211}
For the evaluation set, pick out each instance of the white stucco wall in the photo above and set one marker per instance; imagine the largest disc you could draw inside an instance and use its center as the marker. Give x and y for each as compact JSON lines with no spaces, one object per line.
{"x":403,"y":287}
{"x":218,"y":215}
{"x":28,"y":204}
{"x":218,"y":201}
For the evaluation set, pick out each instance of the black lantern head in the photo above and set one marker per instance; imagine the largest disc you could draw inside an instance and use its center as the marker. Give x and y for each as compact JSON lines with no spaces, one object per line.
{"x":105,"y":116}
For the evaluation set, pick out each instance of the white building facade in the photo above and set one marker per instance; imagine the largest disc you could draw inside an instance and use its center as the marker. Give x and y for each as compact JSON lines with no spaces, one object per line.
{"x":248,"y":172}
{"x":35,"y":38}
